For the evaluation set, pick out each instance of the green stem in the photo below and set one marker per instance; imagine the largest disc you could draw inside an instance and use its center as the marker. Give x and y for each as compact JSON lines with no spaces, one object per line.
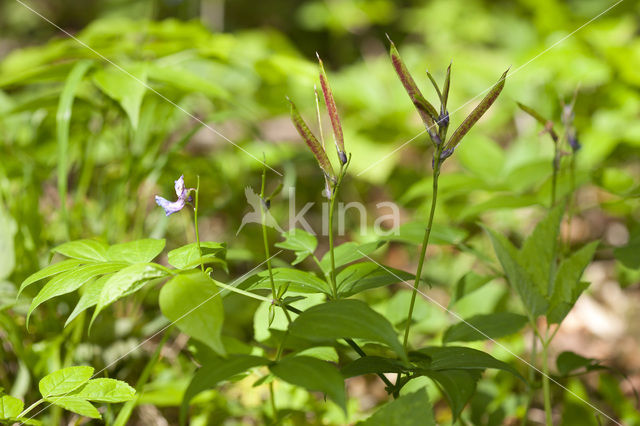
{"x":554,"y":177}
{"x":425,"y":243}
{"x":272,"y":398}
{"x":545,"y":384}
{"x":532,"y":376}
{"x":265,"y":239}
{"x":30,"y":408}
{"x":195,"y":222}
{"x":334,"y":196}
{"x":244,"y":293}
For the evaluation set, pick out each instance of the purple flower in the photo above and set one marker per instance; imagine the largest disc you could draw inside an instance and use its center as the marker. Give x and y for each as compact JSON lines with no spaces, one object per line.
{"x":183,"y":197}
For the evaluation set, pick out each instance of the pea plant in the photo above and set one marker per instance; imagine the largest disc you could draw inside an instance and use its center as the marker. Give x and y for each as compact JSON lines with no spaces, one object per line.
{"x":313,"y":328}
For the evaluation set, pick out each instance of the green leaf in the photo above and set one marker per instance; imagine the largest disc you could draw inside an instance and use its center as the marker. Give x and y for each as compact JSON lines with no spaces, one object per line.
{"x":192,"y":301}
{"x":478,"y":112}
{"x":311,"y":141}
{"x":413,"y":409}
{"x":188,"y":257}
{"x":10,"y":407}
{"x":548,"y":124}
{"x":299,"y":241}
{"x":127,"y":87}
{"x":482,"y":327}
{"x":349,"y":252}
{"x":120,"y":283}
{"x":324,"y":353}
{"x":345,"y":318}
{"x":138,"y":251}
{"x":76,"y":405}
{"x":64,"y":381}
{"x":628,"y":254}
{"x":458,"y":386}
{"x":71,"y":281}
{"x":90,"y":297}
{"x":530,"y":294}
{"x":313,"y":375}
{"x":373,"y":365}
{"x":50,"y":270}
{"x":567,"y":286}
{"x":209,"y":375}
{"x":568,"y":362}
{"x":105,"y":390}
{"x":413,"y":233}
{"x":463,"y":358}
{"x":84,"y":250}
{"x":298,"y":281}
{"x":8,"y":229}
{"x":366,"y":275}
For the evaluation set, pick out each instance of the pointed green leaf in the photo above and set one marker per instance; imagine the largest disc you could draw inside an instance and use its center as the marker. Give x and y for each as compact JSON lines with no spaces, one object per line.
{"x":568,"y":362}
{"x":413,"y":409}
{"x":373,"y":365}
{"x":126,"y":87}
{"x":299,"y":241}
{"x":333,"y":113}
{"x":435,"y":85}
{"x":313,"y":375}
{"x":10,"y":407}
{"x":90,"y":297}
{"x":367,"y":275}
{"x":345,"y":318}
{"x":349,"y":252}
{"x":548,"y":124}
{"x":188,"y":257}
{"x":478,"y":112}
{"x":77,"y":405}
{"x":192,"y":301}
{"x":50,"y":270}
{"x":71,"y":281}
{"x":445,"y":88}
{"x":311,"y":141}
{"x":64,"y":381}
{"x":84,"y":250}
{"x":209,"y":375}
{"x":138,"y":251}
{"x":105,"y":390}
{"x":297,"y":280}
{"x":458,"y":387}
{"x":483,"y":327}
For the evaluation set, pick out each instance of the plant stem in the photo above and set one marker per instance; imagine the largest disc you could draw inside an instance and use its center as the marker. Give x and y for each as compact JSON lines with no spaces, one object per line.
{"x":554,"y":177}
{"x":545,"y":384}
{"x":195,"y":222}
{"x":265,"y":240}
{"x":425,"y":243}
{"x":532,"y":375}
{"x":243,"y":292}
{"x":272,"y":398}
{"x":31,"y":407}
{"x":334,"y":195}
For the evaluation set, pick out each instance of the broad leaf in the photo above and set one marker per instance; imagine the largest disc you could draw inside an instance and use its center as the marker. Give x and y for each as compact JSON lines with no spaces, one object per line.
{"x":348,"y":252}
{"x":297,"y":280}
{"x":628,"y":254}
{"x":302,"y":243}
{"x":568,"y":362}
{"x":10,"y":407}
{"x":127,"y":87}
{"x":413,"y":409}
{"x":345,"y":318}
{"x":84,"y":250}
{"x":138,"y":251}
{"x":90,"y":297}
{"x":49,"y":271}
{"x":105,"y":390}
{"x":373,"y":365}
{"x":458,"y":387}
{"x":312,"y":374}
{"x":71,"y":281}
{"x":209,"y":375}
{"x":482,"y":327}
{"x":192,"y":301}
{"x":363,"y":276}
{"x":64,"y":381}
{"x":188,"y":257}
{"x":323,"y":353}
{"x":77,"y":405}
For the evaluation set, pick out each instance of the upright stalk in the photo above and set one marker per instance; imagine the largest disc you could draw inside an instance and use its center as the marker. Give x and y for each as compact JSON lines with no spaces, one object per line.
{"x":545,"y":384}
{"x":265,"y":239}
{"x":554,"y":177}
{"x":334,"y":196}
{"x":425,"y":243}
{"x":195,"y":222}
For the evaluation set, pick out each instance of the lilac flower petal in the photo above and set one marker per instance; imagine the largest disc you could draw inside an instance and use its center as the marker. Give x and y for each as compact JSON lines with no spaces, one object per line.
{"x":179,"y":187}
{"x":168,"y":206}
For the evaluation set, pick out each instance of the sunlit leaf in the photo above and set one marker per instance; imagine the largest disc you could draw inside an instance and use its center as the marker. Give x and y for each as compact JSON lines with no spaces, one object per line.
{"x":299,"y":241}
{"x":483,"y":327}
{"x":138,"y":251}
{"x":105,"y":390}
{"x":84,"y":250}
{"x":64,"y":381}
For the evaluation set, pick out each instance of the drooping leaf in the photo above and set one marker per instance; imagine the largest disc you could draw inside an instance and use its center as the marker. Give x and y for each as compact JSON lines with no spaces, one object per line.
{"x":628,"y":254}
{"x":313,"y":375}
{"x":77,"y":405}
{"x":192,"y":301}
{"x":84,"y":250}
{"x":332,"y":109}
{"x":413,"y":409}
{"x":127,"y":87}
{"x":119,"y":284}
{"x":548,"y":124}
{"x":188,"y":257}
{"x":567,"y":286}
{"x":138,"y":251}
{"x":323,"y":353}
{"x":10,"y":407}
{"x":90,"y":297}
{"x":458,"y":387}
{"x":373,"y":365}
{"x":49,"y":271}
{"x":105,"y":390}
{"x":367,"y":275}
{"x":311,"y":141}
{"x":427,"y":112}
{"x":297,"y":280}
{"x":478,"y":112}
{"x":345,"y":318}
{"x":349,"y":252}
{"x":64,"y":381}
{"x":302,"y":243}
{"x":482,"y":327}
{"x":568,"y":362}
{"x":71,"y":281}
{"x":209,"y":375}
